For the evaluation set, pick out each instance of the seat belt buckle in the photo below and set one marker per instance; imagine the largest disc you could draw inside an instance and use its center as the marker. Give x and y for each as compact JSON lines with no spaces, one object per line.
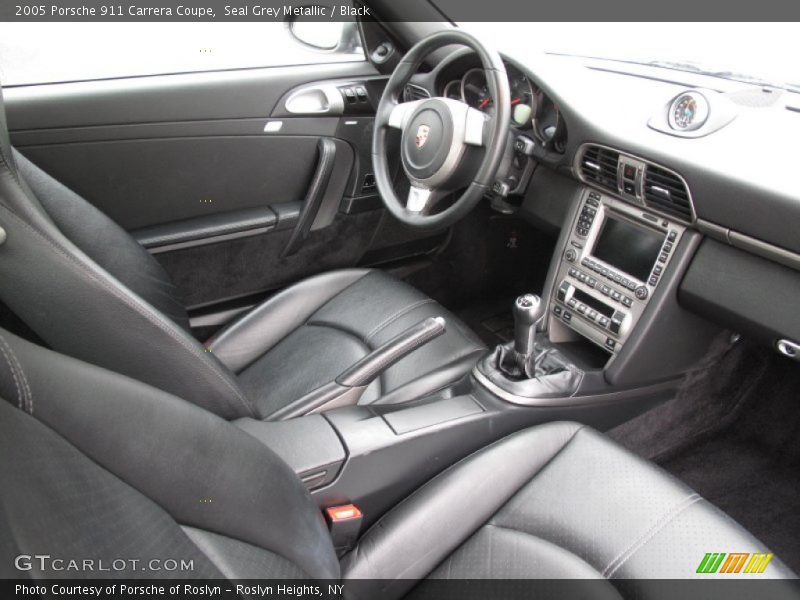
{"x":344,"y":523}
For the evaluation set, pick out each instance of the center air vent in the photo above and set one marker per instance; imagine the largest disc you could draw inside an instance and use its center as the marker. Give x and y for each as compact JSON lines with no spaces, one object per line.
{"x":599,"y":165}
{"x":666,"y":191}
{"x":414,"y":92}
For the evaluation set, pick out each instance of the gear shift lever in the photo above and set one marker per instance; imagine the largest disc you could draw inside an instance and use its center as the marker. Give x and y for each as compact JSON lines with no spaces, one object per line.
{"x":528,"y":309}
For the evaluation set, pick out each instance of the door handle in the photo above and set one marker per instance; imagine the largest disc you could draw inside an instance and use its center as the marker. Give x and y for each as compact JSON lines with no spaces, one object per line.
{"x":316,"y":192}
{"x":316,"y":100}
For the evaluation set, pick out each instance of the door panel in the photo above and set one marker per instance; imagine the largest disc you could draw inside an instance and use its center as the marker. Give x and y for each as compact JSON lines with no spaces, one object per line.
{"x":139,"y":183}
{"x":187,"y":164}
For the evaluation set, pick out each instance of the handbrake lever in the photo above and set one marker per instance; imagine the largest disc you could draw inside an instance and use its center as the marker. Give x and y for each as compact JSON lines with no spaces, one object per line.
{"x":349,"y":386}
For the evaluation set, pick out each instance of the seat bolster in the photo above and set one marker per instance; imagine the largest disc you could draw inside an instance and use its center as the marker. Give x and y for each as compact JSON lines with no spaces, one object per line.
{"x":411,"y":540}
{"x":248,"y":338}
{"x":177,"y":455}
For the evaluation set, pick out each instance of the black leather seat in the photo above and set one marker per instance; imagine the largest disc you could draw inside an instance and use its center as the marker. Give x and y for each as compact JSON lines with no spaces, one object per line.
{"x":93,"y":462}
{"x":89,"y":290}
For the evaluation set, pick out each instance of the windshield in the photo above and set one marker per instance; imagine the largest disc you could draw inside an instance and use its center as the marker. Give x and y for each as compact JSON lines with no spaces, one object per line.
{"x":757,"y":53}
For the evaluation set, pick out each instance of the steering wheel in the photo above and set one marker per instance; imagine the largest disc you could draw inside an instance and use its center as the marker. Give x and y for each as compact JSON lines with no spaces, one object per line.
{"x":445,"y":145}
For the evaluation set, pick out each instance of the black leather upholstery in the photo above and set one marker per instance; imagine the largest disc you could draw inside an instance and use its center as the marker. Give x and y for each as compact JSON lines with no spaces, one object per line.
{"x":89,"y":290}
{"x":307,"y":335}
{"x":555,"y":501}
{"x":203,"y":471}
{"x":93,"y":462}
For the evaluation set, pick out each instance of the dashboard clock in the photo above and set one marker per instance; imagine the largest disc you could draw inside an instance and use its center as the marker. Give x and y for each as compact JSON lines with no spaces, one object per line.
{"x":688,"y":112}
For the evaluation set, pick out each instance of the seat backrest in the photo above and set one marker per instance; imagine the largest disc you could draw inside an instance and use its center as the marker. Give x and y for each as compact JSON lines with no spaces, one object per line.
{"x":89,"y":290}
{"x":96,"y":465}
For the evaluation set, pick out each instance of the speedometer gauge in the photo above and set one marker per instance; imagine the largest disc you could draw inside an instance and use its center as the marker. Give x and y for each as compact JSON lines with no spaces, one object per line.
{"x":453,"y":90}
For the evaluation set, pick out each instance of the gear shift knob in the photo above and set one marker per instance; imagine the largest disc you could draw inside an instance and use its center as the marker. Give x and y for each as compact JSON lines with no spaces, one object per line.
{"x":528,"y":309}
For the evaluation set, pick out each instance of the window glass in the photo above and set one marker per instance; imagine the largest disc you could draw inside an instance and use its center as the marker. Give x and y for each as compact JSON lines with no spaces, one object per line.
{"x":56,"y":52}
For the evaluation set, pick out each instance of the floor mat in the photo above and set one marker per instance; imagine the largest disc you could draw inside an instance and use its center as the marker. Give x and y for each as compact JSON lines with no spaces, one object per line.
{"x":733,"y":434}
{"x":492,"y":320}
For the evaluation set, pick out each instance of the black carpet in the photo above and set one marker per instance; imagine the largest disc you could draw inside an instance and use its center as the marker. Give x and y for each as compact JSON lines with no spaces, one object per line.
{"x":733,"y":434}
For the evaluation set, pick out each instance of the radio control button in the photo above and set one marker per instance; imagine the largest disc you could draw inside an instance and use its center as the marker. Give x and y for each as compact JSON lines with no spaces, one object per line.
{"x":567,"y":316}
{"x":615,"y":295}
{"x":605,"y":290}
{"x":582,"y":308}
{"x":668,"y":247}
{"x":631,"y":285}
{"x":557,"y":311}
{"x":672,"y":235}
{"x":610,"y":344}
{"x":641,"y":292}
{"x":592,"y":282}
{"x":662,"y":257}
{"x":658,"y":269}
{"x":572,"y":303}
{"x":571,"y":255}
{"x":653,"y":280}
{"x":604,"y":321}
{"x":627,"y":301}
{"x":592,"y":314}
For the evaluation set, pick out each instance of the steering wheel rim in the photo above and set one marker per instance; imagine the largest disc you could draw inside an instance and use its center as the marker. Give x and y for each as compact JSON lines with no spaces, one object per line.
{"x":492,"y":135}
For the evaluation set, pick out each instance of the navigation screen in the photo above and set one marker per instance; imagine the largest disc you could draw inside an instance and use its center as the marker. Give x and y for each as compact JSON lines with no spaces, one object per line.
{"x":628,"y":248}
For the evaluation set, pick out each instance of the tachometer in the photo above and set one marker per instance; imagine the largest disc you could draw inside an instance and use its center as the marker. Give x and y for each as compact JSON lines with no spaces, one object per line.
{"x":475,"y":91}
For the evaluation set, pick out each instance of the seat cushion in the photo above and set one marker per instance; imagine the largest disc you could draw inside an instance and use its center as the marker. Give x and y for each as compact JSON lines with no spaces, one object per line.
{"x":551,"y":502}
{"x":305,"y":336}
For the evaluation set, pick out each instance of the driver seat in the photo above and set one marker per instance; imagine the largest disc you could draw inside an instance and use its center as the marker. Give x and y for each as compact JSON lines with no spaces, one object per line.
{"x":89,"y":290}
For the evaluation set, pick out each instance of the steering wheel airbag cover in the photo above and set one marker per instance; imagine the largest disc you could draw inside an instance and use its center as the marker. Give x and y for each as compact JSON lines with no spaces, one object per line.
{"x":427,"y":141}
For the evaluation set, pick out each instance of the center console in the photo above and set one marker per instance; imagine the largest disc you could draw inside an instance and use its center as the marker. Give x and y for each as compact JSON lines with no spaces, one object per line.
{"x":606,"y":340}
{"x":613,"y":263}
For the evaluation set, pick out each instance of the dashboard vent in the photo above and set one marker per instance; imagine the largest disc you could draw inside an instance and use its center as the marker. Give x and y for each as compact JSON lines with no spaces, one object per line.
{"x":414,"y":92}
{"x":599,"y":165}
{"x":665,"y":191}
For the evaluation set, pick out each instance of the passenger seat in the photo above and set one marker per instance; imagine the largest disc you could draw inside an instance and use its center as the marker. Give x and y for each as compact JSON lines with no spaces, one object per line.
{"x":95,"y":464}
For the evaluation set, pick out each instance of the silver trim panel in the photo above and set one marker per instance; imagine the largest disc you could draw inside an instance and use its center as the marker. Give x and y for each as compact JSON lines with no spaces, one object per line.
{"x":750,"y":244}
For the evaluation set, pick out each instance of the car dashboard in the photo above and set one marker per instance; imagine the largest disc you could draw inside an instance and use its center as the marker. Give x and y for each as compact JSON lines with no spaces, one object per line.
{"x":653,"y":154}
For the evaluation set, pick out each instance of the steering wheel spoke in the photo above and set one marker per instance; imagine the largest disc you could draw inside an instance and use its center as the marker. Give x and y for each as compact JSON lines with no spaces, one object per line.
{"x":401,"y":113}
{"x":421,"y":200}
{"x":477,"y":124}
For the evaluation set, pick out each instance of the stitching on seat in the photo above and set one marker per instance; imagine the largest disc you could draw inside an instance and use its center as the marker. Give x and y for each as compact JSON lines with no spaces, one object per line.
{"x":233,"y":328}
{"x":310,"y":317}
{"x":154,"y":319}
{"x":13,"y":375}
{"x":26,"y":388}
{"x":9,"y":166}
{"x":659,"y":524}
{"x":340,"y":328}
{"x":386,"y":322}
